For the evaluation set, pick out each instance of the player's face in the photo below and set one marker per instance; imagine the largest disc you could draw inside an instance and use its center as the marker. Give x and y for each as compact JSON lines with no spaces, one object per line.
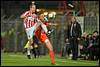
{"x":33,"y":8}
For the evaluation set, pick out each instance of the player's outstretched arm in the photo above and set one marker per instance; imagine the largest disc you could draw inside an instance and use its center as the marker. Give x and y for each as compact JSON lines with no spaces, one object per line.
{"x":23,"y":16}
{"x":53,"y":24}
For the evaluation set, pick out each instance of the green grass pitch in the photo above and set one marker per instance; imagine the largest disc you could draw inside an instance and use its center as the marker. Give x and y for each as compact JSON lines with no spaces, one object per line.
{"x":19,"y":59}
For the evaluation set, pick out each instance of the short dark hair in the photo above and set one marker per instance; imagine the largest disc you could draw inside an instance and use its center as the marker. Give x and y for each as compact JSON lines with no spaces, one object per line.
{"x":31,"y":5}
{"x":95,"y":31}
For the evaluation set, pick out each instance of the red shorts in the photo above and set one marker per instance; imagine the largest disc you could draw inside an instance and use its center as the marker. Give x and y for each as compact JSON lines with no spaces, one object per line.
{"x":41,"y":36}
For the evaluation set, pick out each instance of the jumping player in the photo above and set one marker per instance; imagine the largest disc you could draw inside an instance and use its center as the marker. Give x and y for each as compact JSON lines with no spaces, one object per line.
{"x":41,"y":35}
{"x":28,"y":24}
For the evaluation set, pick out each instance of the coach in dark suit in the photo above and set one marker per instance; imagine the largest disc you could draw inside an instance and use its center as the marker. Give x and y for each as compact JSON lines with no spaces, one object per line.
{"x":74,"y":34}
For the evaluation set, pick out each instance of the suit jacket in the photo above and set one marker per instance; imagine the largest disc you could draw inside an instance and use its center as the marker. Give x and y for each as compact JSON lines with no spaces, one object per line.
{"x":76,"y":30}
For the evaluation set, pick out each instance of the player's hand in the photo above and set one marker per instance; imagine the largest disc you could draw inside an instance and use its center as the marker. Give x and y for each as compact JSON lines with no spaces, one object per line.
{"x":67,"y":40}
{"x":50,"y":31}
{"x":78,"y":38}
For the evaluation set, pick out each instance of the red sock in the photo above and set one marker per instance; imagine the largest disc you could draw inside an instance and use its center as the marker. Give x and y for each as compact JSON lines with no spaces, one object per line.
{"x":51,"y":54}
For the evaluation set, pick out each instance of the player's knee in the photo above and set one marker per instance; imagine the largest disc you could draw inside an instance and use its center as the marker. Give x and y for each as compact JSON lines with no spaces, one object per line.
{"x":49,"y":45}
{"x":47,"y":41}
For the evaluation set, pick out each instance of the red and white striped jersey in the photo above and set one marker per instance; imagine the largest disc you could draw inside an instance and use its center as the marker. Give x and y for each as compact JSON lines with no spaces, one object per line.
{"x":28,"y":22}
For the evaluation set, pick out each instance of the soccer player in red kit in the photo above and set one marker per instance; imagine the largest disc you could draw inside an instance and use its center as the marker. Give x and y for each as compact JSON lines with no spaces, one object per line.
{"x":41,"y":35}
{"x":30,"y":27}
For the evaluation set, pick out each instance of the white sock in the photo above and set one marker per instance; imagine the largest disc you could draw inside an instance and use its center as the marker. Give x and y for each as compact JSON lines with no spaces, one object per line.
{"x":28,"y":51}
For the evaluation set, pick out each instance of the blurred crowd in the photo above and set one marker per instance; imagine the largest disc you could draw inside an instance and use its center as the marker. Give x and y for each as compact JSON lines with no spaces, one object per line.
{"x":89,"y":46}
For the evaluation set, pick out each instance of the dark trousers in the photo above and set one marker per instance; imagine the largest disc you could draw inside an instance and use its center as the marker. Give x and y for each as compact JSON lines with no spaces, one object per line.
{"x":94,"y":51}
{"x":66,"y":50}
{"x":36,"y":52}
{"x":74,"y":47}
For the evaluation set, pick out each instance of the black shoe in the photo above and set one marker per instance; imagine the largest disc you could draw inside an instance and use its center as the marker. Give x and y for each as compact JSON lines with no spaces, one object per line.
{"x":29,"y":57}
{"x":74,"y":58}
{"x":53,"y":63}
{"x":34,"y":56}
